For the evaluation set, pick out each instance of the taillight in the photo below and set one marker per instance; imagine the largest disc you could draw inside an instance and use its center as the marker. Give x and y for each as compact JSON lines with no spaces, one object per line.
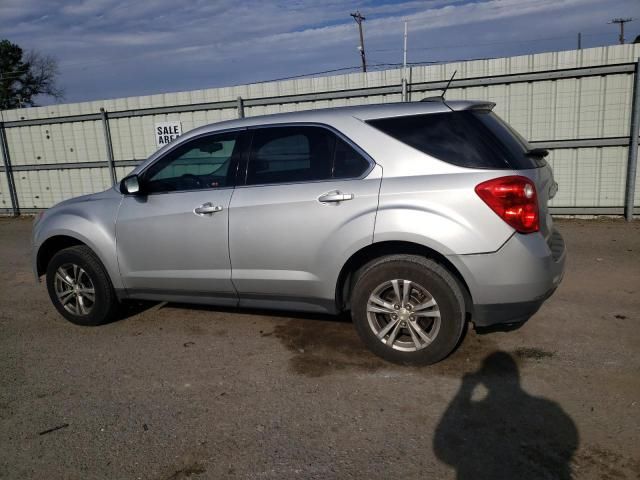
{"x":514,"y":199}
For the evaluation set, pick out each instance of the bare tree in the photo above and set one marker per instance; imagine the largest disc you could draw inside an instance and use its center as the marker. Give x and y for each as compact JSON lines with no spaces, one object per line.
{"x":25,"y":75}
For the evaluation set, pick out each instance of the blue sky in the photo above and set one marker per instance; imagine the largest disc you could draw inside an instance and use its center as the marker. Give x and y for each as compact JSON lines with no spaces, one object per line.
{"x":116,"y":48}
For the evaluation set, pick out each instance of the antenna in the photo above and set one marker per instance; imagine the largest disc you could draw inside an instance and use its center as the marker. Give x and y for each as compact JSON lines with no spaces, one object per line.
{"x":448,"y":83}
{"x":440,"y":98}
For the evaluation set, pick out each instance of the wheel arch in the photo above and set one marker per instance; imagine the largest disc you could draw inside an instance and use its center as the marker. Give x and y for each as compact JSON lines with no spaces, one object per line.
{"x":350,"y":270}
{"x":50,"y":247}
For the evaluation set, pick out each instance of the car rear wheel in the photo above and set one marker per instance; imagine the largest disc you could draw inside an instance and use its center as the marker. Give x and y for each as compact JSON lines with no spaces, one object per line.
{"x":79,"y":287}
{"x":408,"y":309}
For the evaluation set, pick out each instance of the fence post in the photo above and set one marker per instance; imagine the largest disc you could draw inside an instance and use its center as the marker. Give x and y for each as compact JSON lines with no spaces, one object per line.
{"x":15,"y":207}
{"x":107,"y":141}
{"x":632,"y":162}
{"x":240,"y":107}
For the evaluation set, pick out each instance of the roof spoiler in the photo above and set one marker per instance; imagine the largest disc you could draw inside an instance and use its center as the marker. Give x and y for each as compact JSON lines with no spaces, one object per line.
{"x":481,"y":106}
{"x":461,"y":104}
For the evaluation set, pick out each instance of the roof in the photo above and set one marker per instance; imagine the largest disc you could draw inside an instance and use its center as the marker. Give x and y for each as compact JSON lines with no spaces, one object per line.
{"x":362,"y":112}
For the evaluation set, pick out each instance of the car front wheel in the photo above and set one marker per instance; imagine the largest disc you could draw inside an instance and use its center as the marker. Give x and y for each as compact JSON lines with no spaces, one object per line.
{"x":408,"y":309}
{"x":79,"y":287}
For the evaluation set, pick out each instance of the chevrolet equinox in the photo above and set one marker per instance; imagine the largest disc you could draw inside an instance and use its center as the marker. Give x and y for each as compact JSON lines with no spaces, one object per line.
{"x":414,"y":217}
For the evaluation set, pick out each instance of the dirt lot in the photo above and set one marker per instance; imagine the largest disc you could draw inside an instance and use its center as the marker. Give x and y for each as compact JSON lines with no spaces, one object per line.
{"x":174,"y":392}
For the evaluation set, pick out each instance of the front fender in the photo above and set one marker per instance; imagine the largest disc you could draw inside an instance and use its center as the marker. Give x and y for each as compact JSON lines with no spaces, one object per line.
{"x":90,"y":222}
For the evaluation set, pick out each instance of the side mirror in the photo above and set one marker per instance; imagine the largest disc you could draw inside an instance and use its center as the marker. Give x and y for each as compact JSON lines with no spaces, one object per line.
{"x":130,"y":185}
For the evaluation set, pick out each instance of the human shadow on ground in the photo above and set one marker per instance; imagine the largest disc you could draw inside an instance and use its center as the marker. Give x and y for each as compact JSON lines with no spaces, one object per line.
{"x":493,"y":429}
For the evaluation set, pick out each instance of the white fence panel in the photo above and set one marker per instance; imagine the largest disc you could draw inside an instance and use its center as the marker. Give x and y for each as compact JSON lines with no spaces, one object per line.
{"x":588,"y":106}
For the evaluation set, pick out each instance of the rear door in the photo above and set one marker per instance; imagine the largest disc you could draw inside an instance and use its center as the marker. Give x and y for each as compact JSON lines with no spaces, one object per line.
{"x":309,"y":196}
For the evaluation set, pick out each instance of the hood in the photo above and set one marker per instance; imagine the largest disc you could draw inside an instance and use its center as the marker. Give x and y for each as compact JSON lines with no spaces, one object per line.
{"x":92,"y":197}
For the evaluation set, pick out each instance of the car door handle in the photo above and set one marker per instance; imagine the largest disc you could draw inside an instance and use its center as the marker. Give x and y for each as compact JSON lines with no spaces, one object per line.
{"x":333,"y":197}
{"x":206,"y":209}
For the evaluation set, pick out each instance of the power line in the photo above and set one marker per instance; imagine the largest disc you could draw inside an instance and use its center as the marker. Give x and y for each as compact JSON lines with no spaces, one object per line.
{"x":530,"y":40}
{"x":302,"y":75}
{"x":370,"y":66}
{"x":375,"y":66}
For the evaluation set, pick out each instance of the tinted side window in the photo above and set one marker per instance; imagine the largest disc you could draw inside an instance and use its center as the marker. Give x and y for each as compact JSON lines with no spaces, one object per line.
{"x":290,"y":154}
{"x":475,"y":139}
{"x":197,"y":164}
{"x":347,"y":162}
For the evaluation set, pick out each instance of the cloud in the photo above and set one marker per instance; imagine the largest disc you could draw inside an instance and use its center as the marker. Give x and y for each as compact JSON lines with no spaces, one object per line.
{"x":111,"y":48}
{"x":86,"y":7}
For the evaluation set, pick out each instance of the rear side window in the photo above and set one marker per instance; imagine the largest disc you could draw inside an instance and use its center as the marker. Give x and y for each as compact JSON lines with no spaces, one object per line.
{"x":347,"y":162}
{"x":301,"y":154}
{"x":471,"y":138}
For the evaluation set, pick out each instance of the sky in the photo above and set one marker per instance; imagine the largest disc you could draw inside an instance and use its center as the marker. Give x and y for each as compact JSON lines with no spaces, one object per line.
{"x":116,"y":48}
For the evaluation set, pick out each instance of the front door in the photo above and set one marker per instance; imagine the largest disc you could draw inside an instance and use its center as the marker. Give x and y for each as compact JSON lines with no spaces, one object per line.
{"x":172,"y":240}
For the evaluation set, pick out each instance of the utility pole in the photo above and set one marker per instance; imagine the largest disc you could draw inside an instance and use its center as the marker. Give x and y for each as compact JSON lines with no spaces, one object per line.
{"x":3,"y":105}
{"x":404,"y":65}
{"x":579,"y":41}
{"x":359,"y":19}
{"x":621,"y":22}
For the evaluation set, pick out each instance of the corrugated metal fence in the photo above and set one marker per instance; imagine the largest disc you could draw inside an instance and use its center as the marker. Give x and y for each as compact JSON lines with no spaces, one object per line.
{"x":576,"y":103}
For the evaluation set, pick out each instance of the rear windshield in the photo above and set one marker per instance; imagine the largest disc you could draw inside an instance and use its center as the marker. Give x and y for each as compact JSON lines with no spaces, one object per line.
{"x":470,"y":138}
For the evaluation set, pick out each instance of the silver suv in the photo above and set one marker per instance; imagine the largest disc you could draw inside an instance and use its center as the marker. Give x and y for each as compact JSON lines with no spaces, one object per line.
{"x":415,"y":217}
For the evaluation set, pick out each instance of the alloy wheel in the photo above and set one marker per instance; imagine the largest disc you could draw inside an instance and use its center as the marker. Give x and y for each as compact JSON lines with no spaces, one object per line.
{"x":74,"y":289}
{"x":403,"y":315}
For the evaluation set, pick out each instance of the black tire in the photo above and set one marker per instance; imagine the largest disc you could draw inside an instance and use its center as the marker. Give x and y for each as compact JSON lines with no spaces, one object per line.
{"x":439,"y":282}
{"x":105,"y":305}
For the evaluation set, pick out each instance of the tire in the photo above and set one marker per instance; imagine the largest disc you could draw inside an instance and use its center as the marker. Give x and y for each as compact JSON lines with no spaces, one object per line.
{"x":433,"y":331}
{"x":82,"y":306}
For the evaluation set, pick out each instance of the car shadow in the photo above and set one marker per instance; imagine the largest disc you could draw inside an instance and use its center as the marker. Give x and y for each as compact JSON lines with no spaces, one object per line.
{"x":340,"y":318}
{"x":131,"y":308}
{"x":493,"y":429}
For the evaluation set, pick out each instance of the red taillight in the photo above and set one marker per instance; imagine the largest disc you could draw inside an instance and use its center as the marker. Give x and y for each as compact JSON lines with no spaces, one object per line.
{"x":514,"y":199}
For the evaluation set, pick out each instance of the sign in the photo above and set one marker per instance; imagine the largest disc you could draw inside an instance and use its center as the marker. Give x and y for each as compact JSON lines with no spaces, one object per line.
{"x":167,"y":132}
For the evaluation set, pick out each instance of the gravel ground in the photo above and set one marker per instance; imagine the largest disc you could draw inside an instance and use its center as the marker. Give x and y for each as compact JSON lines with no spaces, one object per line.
{"x":173,"y":391}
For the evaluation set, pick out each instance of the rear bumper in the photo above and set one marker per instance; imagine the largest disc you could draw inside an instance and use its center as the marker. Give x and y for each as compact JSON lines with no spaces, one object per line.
{"x":510,"y":285}
{"x":506,"y":313}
